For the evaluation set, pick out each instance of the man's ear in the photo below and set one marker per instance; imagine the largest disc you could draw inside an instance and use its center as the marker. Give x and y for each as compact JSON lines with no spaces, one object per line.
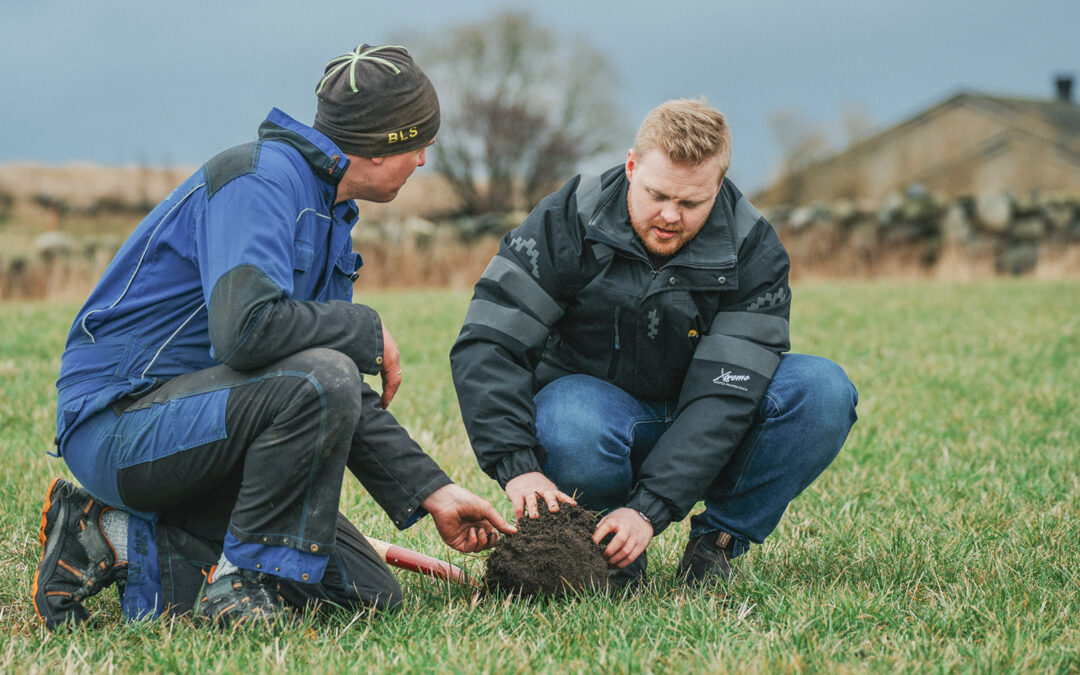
{"x":630,"y":161}
{"x":376,"y":160}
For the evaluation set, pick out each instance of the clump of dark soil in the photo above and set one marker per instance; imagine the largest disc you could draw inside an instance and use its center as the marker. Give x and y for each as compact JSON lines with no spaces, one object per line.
{"x":550,"y":555}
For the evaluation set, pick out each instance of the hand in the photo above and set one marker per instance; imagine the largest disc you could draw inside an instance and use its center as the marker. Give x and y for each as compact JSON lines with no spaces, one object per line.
{"x":523,"y":490}
{"x":466,"y":522}
{"x":391,"y":368}
{"x":632,"y":535}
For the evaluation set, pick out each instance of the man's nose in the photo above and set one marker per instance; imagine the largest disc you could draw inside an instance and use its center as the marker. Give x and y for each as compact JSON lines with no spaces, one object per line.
{"x":670,"y":213}
{"x":421,"y":159}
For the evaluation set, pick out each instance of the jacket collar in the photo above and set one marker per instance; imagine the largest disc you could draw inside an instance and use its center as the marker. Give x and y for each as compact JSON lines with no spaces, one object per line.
{"x":712,"y":248}
{"x":327,"y":161}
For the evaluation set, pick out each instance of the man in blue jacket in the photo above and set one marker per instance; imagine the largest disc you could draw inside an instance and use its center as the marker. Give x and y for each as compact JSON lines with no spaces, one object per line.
{"x":626,"y":345}
{"x":210,"y":394}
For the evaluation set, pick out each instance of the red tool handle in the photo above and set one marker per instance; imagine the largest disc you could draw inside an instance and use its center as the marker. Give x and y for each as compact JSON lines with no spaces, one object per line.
{"x":406,"y":559}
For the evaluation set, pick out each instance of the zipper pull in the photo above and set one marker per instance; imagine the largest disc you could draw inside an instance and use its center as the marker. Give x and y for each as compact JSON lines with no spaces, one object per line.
{"x":613,"y":367}
{"x":618,"y":314}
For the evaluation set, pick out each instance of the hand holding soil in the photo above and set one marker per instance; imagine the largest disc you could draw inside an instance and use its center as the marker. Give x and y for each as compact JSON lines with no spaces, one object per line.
{"x":466,"y":522}
{"x":631,"y":532}
{"x":523,"y":490}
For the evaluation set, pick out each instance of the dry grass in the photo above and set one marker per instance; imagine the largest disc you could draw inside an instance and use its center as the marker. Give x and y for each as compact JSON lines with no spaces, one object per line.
{"x":913,"y":262}
{"x":425,"y":195}
{"x":392,"y":259}
{"x":406,"y":265}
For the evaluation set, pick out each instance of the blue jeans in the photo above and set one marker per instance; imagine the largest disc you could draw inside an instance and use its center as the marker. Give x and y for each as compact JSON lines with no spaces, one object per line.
{"x":596,"y":436}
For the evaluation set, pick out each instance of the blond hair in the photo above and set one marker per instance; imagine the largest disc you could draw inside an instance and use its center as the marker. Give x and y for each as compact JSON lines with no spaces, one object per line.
{"x":688,"y":132}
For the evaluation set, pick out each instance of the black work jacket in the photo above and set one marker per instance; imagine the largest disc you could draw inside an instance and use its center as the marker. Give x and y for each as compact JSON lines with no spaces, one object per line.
{"x":572,"y":290}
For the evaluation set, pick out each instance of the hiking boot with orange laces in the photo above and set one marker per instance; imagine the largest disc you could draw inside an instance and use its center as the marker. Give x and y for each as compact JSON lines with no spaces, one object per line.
{"x":77,"y":560}
{"x":243,"y":597}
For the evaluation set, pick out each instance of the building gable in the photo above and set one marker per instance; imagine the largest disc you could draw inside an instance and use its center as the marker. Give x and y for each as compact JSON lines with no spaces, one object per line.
{"x":943,"y":147}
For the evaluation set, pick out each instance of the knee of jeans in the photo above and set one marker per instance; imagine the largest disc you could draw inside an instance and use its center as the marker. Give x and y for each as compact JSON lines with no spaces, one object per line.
{"x":828,"y":410}
{"x":824,"y":390}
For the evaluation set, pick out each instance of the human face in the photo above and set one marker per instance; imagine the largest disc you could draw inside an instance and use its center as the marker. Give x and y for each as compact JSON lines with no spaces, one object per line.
{"x":669,"y":203}
{"x":396,"y":169}
{"x":379,"y":179}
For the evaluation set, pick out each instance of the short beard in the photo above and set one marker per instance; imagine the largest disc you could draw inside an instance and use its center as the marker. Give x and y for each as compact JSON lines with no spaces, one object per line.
{"x":634,"y":226}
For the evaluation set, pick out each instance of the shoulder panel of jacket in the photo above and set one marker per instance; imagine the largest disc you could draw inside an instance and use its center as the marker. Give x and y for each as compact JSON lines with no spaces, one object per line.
{"x":229,"y":164}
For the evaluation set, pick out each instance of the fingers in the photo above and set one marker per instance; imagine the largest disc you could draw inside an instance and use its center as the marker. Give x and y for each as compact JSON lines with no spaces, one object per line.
{"x":551,"y":499}
{"x":495,"y":519}
{"x":554,"y":497}
{"x":630,"y":537}
{"x":527,"y":490}
{"x":621,"y":550}
{"x":391,"y":384}
{"x":627,"y":554}
{"x":519,"y":506}
{"x":603,"y":529}
{"x":628,"y":558}
{"x":391,"y":368}
{"x":482,"y":538}
{"x":474,"y":538}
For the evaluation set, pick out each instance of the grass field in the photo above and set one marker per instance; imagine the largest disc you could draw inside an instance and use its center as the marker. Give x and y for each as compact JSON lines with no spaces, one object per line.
{"x":945,"y":537}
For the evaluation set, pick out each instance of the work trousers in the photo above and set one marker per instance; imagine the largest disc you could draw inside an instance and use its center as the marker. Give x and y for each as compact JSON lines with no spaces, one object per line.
{"x":249,"y":461}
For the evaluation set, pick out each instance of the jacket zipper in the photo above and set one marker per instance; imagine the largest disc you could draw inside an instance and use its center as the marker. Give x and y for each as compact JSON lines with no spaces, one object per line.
{"x":615,"y":357}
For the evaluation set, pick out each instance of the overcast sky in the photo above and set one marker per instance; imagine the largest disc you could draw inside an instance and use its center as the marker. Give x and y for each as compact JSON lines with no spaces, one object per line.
{"x":145,"y":81}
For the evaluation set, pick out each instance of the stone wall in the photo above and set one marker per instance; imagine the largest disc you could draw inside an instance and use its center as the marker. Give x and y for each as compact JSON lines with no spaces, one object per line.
{"x":918,"y":233}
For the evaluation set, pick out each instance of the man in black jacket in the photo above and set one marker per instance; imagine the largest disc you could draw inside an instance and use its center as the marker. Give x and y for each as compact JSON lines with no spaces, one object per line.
{"x":626,"y":345}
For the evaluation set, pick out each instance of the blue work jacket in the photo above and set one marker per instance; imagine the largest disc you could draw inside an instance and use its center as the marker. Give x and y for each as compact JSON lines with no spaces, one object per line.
{"x":267,"y":208}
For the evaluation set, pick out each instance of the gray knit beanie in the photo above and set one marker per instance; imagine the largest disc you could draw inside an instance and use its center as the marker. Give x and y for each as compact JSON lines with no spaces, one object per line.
{"x":375,"y":101}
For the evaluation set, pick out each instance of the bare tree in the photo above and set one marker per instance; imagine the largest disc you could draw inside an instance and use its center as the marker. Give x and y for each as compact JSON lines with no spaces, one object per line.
{"x":856,"y":123}
{"x":801,"y":142}
{"x":522,"y":109}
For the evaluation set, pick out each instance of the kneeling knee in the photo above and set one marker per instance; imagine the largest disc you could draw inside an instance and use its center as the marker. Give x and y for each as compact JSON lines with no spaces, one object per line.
{"x":825,"y":388}
{"x":388,"y":602}
{"x":333,"y":376}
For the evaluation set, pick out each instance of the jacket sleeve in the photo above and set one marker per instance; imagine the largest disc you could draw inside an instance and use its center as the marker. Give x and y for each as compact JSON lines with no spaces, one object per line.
{"x":515,"y":303}
{"x":727,"y":378}
{"x":390,"y":465}
{"x":246,"y":250}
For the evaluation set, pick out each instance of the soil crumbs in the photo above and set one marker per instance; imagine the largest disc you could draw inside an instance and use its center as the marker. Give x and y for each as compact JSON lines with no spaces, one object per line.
{"x":550,"y":555}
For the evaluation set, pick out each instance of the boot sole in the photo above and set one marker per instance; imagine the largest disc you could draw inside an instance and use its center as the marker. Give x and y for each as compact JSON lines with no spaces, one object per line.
{"x":43,"y":537}
{"x":52,"y":535}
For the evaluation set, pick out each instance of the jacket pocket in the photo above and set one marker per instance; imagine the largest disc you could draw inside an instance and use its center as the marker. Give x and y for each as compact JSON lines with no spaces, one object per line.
{"x":167,"y":427}
{"x":345,"y":275}
{"x":66,"y":418}
{"x":303,"y":255}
